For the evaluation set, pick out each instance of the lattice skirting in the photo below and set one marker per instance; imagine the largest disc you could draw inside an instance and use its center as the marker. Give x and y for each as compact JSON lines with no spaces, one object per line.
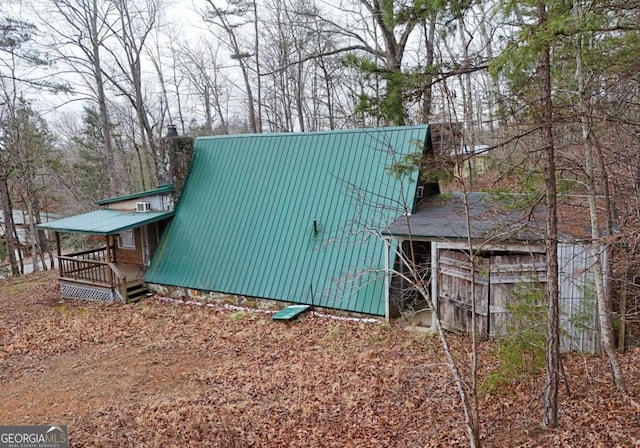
{"x":74,"y":291}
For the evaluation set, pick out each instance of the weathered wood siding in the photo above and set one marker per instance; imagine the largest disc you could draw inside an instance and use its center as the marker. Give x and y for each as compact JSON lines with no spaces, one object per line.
{"x":496,"y":278}
{"x":508,"y":272}
{"x":132,"y":255}
{"x":455,"y":298}
{"x":498,"y":275}
{"x":577,"y":299}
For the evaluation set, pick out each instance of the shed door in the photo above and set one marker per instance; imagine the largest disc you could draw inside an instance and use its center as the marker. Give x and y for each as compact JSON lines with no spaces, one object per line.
{"x":496,"y":278}
{"x":508,"y":272}
{"x":455,"y":286}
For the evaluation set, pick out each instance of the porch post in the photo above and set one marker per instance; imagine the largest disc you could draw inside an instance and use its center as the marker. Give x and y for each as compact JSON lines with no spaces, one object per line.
{"x":58,"y":252}
{"x":109,"y":250}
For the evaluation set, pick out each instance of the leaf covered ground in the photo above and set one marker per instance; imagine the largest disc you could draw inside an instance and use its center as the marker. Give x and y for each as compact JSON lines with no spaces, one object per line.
{"x":157,"y":373}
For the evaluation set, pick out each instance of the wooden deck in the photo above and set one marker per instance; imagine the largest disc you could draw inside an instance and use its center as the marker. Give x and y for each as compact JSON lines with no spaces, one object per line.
{"x":133,"y":273}
{"x":90,"y":271}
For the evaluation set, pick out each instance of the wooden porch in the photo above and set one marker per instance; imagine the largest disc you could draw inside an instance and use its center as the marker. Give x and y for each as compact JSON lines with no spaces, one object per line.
{"x":90,"y":275}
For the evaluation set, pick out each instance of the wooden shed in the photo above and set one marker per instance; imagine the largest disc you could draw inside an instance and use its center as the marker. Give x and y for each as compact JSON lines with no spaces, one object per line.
{"x":510,"y":253}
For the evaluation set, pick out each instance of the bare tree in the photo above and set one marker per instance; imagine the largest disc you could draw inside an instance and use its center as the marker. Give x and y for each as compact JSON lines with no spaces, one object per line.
{"x":20,"y":60}
{"x":241,"y":14}
{"x":80,"y":29}
{"x":199,"y":64}
{"x":598,"y":232}
{"x":136,"y":21}
{"x":545,"y":111}
{"x":416,"y":276}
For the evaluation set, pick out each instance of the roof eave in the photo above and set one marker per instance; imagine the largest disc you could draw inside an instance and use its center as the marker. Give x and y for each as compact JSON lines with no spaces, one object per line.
{"x":160,"y":190}
{"x":110,"y":231}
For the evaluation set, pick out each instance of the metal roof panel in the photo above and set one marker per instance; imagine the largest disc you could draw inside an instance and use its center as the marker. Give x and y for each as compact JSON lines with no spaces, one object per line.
{"x":245,"y":220}
{"x":104,"y":222}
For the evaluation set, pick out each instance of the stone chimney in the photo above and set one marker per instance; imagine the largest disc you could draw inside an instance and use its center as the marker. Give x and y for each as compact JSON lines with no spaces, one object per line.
{"x":177,"y":154}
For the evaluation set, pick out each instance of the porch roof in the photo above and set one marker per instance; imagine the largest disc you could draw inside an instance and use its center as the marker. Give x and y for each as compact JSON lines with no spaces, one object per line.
{"x":105,"y":222}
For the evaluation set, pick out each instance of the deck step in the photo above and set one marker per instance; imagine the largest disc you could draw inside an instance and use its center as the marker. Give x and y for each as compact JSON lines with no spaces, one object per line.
{"x":137,"y":291}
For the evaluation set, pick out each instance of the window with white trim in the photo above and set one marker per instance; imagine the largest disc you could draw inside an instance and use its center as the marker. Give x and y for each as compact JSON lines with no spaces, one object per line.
{"x":127,"y":240}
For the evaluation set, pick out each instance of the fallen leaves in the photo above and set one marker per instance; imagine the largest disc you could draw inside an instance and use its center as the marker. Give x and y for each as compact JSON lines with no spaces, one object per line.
{"x":164,"y":374}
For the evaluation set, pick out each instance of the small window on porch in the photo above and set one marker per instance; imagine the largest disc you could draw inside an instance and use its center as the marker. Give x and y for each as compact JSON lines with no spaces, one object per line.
{"x":126,"y":240}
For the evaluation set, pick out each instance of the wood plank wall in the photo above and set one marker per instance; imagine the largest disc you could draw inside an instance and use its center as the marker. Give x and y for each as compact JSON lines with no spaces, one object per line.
{"x":131,"y":256}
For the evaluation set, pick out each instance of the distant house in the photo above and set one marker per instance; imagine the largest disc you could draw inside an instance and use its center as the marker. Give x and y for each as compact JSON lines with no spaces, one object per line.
{"x":131,"y":227}
{"x":21,"y":220}
{"x":471,"y":159}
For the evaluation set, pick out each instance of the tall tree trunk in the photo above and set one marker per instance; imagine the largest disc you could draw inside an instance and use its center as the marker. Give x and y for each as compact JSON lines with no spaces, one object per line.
{"x":207,"y":109}
{"x":603,"y":300}
{"x":550,"y":403}
{"x":32,"y":238}
{"x":9,"y":225}
{"x":496,"y":106}
{"x":427,"y":95}
{"x":220,"y":18}
{"x":256,"y":50}
{"x":299,"y":92}
{"x":115,"y":185}
{"x":467,"y":106}
{"x":465,"y":84}
{"x":393,"y":105}
{"x":43,"y":244}
{"x":473,"y":429}
{"x":329,"y":91}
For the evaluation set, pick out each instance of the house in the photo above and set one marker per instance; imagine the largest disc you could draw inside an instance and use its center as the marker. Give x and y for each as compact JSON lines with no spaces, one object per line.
{"x":293,"y":217}
{"x":471,"y":160}
{"x":22,"y":220}
{"x":326,"y":219}
{"x":509,"y":241}
{"x":130,"y":227}
{"x":290,"y":217}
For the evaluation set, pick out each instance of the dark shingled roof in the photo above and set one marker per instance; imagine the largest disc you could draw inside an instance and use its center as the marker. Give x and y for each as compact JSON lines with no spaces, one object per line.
{"x":499,"y":217}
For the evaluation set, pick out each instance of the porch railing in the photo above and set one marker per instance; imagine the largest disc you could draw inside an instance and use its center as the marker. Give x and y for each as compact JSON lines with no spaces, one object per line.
{"x":92,"y":267}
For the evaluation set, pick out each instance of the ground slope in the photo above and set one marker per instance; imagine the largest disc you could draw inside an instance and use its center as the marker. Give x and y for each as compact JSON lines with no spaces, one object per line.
{"x":165,"y":374}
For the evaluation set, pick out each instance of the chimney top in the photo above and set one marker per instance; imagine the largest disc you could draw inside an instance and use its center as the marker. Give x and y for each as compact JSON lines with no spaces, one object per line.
{"x":172,"y":130}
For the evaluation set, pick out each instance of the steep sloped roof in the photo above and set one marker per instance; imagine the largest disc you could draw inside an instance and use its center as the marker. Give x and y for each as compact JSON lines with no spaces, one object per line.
{"x":292,"y":217}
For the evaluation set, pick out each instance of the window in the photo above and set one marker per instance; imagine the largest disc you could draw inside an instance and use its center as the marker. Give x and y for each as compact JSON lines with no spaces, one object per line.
{"x":126,"y":240}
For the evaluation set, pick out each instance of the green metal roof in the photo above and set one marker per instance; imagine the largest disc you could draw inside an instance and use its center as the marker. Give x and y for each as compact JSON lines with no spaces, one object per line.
{"x":245,"y":220}
{"x":105,"y":222}
{"x":161,"y":189}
